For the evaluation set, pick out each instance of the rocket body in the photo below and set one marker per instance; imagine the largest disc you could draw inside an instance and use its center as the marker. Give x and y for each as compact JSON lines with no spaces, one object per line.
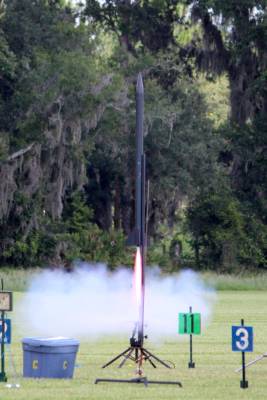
{"x":139,"y":200}
{"x":140,"y":203}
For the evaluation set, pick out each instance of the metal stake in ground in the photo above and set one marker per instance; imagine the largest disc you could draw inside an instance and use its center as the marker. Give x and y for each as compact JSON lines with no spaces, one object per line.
{"x":191,"y":364}
{"x":243,"y":383}
{"x":190,"y":324}
{"x":5,"y":305}
{"x":3,"y":377}
{"x":242,"y":340}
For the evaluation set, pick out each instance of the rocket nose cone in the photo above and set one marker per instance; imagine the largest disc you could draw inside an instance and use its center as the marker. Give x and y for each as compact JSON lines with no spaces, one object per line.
{"x":139,"y":84}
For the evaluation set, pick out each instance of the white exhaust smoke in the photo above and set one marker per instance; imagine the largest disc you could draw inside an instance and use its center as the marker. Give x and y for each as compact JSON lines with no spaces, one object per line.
{"x":92,"y":302}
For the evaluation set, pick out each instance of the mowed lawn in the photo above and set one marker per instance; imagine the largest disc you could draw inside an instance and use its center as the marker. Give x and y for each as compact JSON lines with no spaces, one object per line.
{"x":213,"y":378}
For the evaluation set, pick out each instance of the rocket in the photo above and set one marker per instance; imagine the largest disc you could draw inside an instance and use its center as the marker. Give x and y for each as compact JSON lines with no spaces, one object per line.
{"x":137,"y":237}
{"x":140,"y":201}
{"x":140,"y":166}
{"x":139,"y":231}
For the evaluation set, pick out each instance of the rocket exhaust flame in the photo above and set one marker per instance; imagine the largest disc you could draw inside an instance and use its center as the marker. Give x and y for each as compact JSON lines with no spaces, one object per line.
{"x":139,"y":297}
{"x":138,"y":277}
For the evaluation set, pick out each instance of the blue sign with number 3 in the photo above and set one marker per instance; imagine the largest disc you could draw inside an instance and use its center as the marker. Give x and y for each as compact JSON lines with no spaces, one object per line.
{"x":242,"y":338}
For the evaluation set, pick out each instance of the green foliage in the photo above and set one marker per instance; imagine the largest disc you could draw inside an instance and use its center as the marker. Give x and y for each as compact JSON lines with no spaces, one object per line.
{"x":147,"y":24}
{"x":216,"y":94}
{"x":224,"y":233}
{"x":3,"y":146}
{"x":30,"y":252}
{"x":84,"y":241}
{"x":205,"y":139}
{"x":50,"y":60}
{"x":75,"y":238}
{"x":173,"y":248}
{"x":77,"y":214}
{"x":7,"y":59}
{"x":216,"y":224}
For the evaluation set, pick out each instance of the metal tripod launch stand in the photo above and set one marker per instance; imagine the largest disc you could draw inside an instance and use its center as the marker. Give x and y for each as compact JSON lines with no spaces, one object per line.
{"x":136,"y":351}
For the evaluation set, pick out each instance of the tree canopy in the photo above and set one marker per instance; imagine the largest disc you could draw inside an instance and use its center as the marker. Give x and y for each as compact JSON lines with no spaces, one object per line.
{"x":67,"y":126}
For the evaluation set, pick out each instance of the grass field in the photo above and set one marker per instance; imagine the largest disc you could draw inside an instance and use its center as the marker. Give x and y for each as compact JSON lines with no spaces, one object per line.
{"x":213,"y":378}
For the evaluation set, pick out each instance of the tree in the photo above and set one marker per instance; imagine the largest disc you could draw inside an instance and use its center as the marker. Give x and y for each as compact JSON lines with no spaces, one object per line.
{"x":234,"y":42}
{"x":53,"y":95}
{"x":149,"y":23}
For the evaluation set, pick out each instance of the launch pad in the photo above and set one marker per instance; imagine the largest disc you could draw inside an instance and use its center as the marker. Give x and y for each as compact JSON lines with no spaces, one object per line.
{"x":137,"y":353}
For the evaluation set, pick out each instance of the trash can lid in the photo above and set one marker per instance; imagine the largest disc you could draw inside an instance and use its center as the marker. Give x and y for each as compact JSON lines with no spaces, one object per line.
{"x":51,"y":341}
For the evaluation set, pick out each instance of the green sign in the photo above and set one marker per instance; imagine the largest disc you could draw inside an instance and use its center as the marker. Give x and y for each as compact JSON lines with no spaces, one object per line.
{"x":189,"y":323}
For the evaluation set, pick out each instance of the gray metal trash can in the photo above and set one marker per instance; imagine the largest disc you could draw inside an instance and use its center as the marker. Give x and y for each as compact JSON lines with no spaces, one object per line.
{"x":49,"y":357}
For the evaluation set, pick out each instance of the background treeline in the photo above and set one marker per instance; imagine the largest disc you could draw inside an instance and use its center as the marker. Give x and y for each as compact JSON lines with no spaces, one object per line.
{"x":67,"y":131}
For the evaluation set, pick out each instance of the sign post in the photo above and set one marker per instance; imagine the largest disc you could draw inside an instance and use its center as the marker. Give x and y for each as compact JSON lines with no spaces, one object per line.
{"x":190,"y":323}
{"x":191,"y":364}
{"x":3,"y":377}
{"x":242,"y":340}
{"x":6,"y":304}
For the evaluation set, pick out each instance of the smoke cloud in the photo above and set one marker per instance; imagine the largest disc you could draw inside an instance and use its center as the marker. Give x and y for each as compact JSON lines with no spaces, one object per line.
{"x":92,"y":302}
